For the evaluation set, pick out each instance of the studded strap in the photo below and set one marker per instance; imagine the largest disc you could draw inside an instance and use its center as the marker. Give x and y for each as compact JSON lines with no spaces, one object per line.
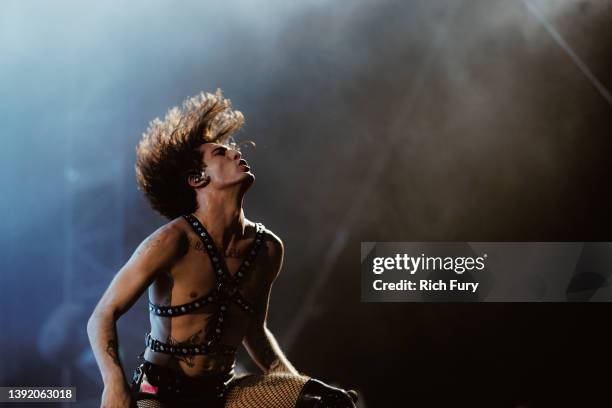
{"x":226,"y":291}
{"x":221,"y":273}
{"x":243,"y":303}
{"x":184,"y":308}
{"x":207,"y":348}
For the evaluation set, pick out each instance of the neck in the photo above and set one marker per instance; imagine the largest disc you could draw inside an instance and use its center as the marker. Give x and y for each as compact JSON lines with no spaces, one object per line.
{"x":222,"y":215}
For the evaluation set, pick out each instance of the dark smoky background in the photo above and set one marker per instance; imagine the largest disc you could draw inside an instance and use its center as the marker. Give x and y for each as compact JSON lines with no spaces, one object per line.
{"x":446,"y":120}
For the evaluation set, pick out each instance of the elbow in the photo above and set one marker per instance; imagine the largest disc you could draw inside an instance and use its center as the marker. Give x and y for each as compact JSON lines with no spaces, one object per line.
{"x":92,"y":327}
{"x":92,"y":324}
{"x":97,"y":317}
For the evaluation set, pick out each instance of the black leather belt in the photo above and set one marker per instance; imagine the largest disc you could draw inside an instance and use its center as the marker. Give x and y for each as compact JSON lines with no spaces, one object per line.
{"x":188,"y":350}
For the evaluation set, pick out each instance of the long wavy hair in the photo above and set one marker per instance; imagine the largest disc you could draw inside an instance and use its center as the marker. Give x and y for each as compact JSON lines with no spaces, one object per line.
{"x":168,"y":151}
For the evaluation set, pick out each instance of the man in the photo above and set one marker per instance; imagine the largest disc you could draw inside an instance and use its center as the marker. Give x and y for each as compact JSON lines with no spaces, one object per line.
{"x":208,"y":271}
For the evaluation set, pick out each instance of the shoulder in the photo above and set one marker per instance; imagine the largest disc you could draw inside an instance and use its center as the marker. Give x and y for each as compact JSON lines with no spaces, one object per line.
{"x":173,"y":231}
{"x":273,"y":248}
{"x":273,"y":243}
{"x":171,"y":238}
{"x":275,"y":251}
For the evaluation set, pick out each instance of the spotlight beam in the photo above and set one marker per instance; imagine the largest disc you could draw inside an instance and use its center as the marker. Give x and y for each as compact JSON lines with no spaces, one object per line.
{"x":539,"y":15}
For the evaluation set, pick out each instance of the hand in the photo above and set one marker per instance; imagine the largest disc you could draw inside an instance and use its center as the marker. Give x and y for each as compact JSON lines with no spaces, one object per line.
{"x":115,"y":397}
{"x":317,"y":394}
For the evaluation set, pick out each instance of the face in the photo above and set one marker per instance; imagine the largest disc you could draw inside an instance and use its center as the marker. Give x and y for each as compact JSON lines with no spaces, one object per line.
{"x":225,"y":166}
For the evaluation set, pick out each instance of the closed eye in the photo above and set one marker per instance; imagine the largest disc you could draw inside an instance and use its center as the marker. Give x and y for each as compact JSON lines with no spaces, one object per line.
{"x":219,"y":151}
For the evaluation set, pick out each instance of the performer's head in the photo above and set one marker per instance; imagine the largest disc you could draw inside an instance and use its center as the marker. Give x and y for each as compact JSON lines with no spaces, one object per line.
{"x":191,"y":154}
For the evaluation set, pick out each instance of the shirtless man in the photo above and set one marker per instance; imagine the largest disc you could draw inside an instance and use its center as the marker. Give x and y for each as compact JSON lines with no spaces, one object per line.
{"x":208,"y":271}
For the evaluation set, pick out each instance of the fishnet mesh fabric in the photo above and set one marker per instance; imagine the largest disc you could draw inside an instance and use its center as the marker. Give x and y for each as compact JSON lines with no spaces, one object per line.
{"x":150,"y":403}
{"x":277,"y":390}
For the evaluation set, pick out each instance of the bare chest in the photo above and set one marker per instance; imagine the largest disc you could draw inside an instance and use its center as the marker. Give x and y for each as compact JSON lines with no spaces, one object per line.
{"x":200,"y":272}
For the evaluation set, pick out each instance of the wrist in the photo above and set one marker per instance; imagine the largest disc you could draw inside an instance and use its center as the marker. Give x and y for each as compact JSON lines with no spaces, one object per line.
{"x":115,"y":383}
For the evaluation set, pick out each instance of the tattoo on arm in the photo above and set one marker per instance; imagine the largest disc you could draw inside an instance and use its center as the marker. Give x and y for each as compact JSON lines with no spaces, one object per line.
{"x":148,"y":244}
{"x":112,"y":351}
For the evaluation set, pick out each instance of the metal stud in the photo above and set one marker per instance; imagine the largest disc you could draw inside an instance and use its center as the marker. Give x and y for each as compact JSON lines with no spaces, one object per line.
{"x":183,"y":308}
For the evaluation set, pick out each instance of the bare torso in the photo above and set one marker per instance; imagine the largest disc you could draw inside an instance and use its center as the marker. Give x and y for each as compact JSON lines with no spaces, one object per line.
{"x":192,"y":277}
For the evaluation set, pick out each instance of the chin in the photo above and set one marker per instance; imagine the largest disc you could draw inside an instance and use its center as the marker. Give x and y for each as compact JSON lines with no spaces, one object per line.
{"x":248,"y":179}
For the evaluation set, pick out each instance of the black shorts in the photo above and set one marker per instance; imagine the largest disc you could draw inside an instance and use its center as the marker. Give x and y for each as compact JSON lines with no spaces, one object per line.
{"x":155,"y":386}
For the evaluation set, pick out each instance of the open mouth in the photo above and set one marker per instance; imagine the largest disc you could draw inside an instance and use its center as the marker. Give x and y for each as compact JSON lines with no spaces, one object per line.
{"x":243,"y":162}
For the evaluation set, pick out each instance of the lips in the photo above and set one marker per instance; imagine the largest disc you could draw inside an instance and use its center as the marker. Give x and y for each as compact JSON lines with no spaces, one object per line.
{"x":243,"y":162}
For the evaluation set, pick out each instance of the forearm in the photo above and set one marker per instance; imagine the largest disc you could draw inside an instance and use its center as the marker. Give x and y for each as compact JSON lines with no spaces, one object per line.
{"x":102,"y":333}
{"x":266,"y":352}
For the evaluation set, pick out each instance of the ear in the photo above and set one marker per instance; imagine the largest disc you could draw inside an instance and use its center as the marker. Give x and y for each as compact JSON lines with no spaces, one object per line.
{"x":197,"y":180}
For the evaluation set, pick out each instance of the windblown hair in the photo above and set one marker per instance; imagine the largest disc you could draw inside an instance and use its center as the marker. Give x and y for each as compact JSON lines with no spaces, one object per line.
{"x":168,"y":151}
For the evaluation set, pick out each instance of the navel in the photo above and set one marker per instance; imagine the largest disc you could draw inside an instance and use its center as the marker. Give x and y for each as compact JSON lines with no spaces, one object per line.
{"x":193,"y":294}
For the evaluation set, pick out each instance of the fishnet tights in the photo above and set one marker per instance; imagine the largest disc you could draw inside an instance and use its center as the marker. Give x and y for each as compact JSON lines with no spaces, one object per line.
{"x":277,"y":390}
{"x":149,"y":403}
{"x":265,"y":391}
{"x":254,"y":391}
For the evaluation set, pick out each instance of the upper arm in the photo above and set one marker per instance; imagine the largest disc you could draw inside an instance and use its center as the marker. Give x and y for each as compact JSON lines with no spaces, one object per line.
{"x":275,"y":253}
{"x":154,"y":255}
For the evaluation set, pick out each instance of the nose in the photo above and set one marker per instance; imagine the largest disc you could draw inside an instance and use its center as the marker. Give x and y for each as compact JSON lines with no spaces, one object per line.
{"x":235,"y":155}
